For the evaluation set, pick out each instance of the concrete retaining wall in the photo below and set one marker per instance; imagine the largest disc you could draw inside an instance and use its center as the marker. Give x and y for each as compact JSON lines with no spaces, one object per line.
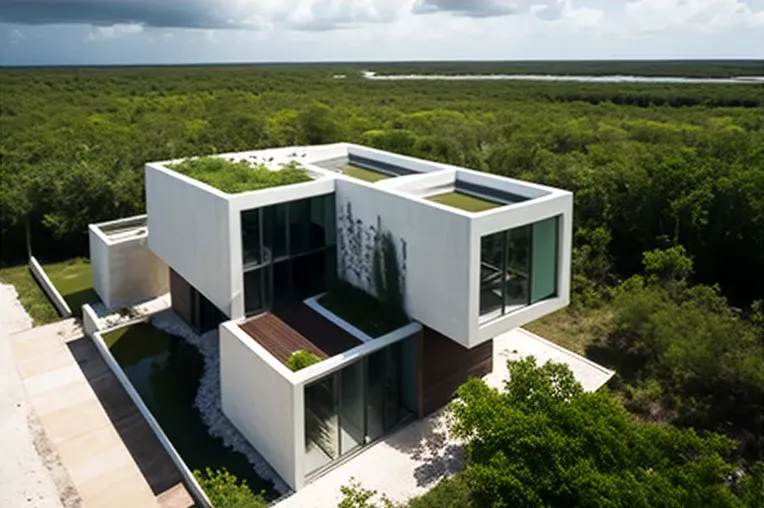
{"x":58,"y":301}
{"x":190,"y":481}
{"x":90,"y":321}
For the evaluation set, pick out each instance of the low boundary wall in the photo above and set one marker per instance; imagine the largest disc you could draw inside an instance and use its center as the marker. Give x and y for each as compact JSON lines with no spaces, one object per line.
{"x":195,"y":489}
{"x":42,"y":278}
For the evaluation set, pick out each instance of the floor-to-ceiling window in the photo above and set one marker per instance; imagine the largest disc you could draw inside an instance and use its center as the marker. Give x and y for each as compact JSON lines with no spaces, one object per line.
{"x":360,"y":403}
{"x":287,"y":250}
{"x":518,"y":267}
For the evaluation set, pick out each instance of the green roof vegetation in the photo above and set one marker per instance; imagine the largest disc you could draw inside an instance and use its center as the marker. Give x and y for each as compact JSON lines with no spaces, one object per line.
{"x":361,"y":309}
{"x":464,"y":202}
{"x":367,"y":175}
{"x":237,"y":177}
{"x":301,"y":359}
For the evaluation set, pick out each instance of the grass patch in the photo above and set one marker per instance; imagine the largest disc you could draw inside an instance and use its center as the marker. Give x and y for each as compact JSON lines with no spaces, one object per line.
{"x":236,"y":177}
{"x":361,"y":310}
{"x":464,"y":202}
{"x":32,"y":297}
{"x":74,"y":280}
{"x":367,"y":175}
{"x":572,"y":329}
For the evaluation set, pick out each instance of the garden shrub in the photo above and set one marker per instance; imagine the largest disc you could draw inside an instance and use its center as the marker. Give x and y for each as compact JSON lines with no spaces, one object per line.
{"x":301,"y":359}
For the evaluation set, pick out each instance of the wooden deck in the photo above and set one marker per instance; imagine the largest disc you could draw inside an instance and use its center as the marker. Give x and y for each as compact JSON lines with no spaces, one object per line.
{"x":297,"y":327}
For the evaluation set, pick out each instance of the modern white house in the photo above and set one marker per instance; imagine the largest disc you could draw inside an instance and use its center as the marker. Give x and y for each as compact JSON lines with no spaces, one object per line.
{"x":476,"y":255}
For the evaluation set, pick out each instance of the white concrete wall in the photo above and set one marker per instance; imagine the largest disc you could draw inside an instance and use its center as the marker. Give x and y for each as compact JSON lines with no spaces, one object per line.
{"x":438,"y":253}
{"x":99,"y":263}
{"x":135,"y":273}
{"x":189,"y":231}
{"x":125,"y":270}
{"x":261,"y":402}
{"x":58,"y":301}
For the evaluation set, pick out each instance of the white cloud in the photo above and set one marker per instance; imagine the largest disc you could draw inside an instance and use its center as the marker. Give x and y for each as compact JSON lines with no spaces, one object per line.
{"x":698,"y":15}
{"x":101,"y":33}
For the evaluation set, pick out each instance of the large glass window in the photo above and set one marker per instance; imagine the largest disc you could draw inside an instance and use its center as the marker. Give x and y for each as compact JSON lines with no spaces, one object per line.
{"x":254,"y":291}
{"x":250,"y":237}
{"x":518,"y":267}
{"x":491,"y":271}
{"x":321,"y":436}
{"x":360,"y":403}
{"x":294,"y":243}
{"x":299,"y":226}
{"x":275,"y":230}
{"x":544,"y":262}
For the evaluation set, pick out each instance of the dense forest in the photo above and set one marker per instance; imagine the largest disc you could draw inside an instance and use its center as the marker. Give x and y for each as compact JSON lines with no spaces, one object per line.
{"x":668,"y":183}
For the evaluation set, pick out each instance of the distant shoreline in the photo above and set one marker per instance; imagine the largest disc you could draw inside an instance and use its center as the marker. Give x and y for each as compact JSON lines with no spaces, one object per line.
{"x":615,"y":78}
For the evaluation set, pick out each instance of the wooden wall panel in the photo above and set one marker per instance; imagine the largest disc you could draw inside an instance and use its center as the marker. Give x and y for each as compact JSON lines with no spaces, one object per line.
{"x":180,"y":293}
{"x":445,"y":365}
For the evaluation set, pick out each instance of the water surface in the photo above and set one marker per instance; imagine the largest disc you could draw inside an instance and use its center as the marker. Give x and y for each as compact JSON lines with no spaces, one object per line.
{"x":165,"y":371}
{"x":747,"y":80}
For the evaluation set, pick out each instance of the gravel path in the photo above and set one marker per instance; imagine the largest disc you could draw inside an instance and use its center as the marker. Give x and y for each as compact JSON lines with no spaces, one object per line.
{"x":25,"y":481}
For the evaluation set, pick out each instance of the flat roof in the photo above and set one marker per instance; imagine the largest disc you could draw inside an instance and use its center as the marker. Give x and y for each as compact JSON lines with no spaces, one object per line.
{"x":389,"y":171}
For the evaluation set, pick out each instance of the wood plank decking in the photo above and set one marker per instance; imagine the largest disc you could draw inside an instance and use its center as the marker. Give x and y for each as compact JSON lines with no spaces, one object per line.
{"x":297,"y":327}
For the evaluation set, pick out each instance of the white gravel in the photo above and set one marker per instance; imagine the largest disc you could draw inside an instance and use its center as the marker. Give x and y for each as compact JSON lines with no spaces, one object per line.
{"x":24,"y":479}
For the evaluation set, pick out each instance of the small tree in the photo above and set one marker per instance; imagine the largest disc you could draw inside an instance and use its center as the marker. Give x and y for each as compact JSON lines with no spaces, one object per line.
{"x":225,"y":491}
{"x":544,"y":442}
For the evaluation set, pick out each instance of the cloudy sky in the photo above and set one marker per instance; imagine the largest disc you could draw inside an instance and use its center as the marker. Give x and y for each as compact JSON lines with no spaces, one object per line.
{"x":64,"y":32}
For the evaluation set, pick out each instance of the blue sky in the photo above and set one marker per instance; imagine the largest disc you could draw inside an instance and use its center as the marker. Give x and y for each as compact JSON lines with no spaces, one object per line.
{"x":70,"y":32}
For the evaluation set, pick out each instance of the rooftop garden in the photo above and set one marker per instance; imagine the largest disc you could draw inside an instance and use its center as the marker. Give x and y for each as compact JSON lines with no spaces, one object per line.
{"x":242,"y":176}
{"x":464,"y":202}
{"x":362,"y":310}
{"x":368,"y":175}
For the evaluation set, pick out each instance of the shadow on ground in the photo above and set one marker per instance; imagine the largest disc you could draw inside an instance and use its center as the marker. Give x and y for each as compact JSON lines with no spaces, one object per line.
{"x":155,"y":465}
{"x":429,"y":443}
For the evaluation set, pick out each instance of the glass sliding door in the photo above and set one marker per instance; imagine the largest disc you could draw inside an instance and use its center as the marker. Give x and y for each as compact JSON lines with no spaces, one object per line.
{"x":360,"y":403}
{"x":352,"y":429}
{"x":321,"y":429}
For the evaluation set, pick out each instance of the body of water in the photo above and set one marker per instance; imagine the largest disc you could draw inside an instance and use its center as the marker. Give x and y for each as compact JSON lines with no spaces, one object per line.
{"x":748,"y":80}
{"x":165,"y":370}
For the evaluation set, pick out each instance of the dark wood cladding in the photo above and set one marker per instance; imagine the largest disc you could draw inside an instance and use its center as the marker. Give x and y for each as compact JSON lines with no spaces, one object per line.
{"x":180,"y":293}
{"x":298,"y":328}
{"x":445,"y":365}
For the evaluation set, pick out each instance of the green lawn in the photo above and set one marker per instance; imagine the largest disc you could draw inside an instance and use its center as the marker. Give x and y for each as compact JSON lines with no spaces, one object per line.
{"x":574,"y":330}
{"x":463,"y":201}
{"x":32,"y":297}
{"x":74,"y":280}
{"x":364,"y":174}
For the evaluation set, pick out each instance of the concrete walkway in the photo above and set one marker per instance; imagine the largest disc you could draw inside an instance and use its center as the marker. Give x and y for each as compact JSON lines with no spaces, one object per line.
{"x":411,"y":461}
{"x":29,"y":475}
{"x":112,"y":457}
